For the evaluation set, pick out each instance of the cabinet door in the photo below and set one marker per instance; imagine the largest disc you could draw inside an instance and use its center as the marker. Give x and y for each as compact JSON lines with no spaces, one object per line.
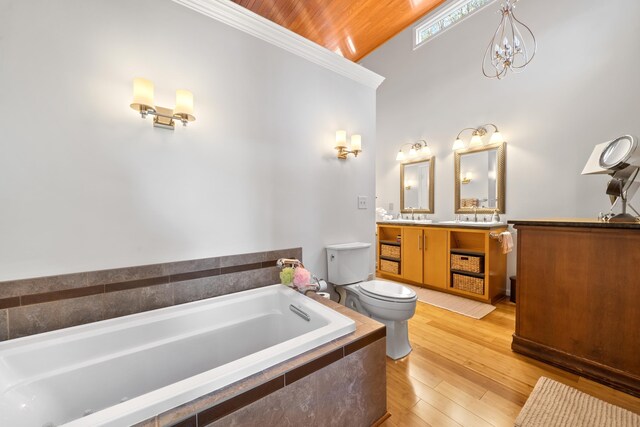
{"x":436,"y":257}
{"x":412,"y":242}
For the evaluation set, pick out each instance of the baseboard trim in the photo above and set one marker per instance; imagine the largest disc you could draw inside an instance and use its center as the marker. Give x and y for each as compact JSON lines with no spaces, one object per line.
{"x":614,"y":378}
{"x":382,"y":419}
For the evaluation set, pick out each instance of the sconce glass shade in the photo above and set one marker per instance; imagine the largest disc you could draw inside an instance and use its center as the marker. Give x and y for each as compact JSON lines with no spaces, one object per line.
{"x":356,"y":142}
{"x":341,"y":139}
{"x":425,"y":151}
{"x":496,"y":138}
{"x":476,"y":141}
{"x":184,"y":105}
{"x":142,"y":95}
{"x":400,"y":157}
{"x":412,"y":152}
{"x":458,"y":144}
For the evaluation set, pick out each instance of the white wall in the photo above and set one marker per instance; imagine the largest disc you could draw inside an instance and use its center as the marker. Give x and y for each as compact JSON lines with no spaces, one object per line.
{"x":582,"y":88}
{"x":85,"y":184}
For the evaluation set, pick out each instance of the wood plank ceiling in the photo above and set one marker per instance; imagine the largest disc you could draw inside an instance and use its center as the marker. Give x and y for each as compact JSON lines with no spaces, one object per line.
{"x":353,"y":28}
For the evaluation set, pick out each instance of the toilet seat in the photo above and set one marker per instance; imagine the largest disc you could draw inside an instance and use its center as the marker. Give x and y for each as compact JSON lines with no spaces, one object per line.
{"x":387,"y":291}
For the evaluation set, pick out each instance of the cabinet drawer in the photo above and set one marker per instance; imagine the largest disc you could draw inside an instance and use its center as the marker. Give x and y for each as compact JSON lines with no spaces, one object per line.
{"x":468,"y":283}
{"x":390,"y":266}
{"x":470,"y":263}
{"x":390,"y":251}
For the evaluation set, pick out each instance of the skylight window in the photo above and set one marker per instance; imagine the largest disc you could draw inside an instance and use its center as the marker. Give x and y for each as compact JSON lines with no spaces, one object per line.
{"x":452,"y":14}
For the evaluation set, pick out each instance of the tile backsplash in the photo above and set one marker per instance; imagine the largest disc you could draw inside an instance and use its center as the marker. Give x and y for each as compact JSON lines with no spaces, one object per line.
{"x":32,"y":306}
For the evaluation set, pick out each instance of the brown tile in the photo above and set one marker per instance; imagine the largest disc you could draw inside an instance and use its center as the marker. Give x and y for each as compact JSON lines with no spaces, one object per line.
{"x":353,"y":389}
{"x":294,"y":405}
{"x":250,"y":279}
{"x":49,"y":316}
{"x":243,"y":259}
{"x":312,"y":366}
{"x":295,"y":253}
{"x":365,"y":341}
{"x":133,"y":284}
{"x":131,"y":301}
{"x":4,"y":326}
{"x":9,"y":302}
{"x":173,"y":415}
{"x":194,"y":290}
{"x":38,"y":285}
{"x":61,"y":295}
{"x":239,"y":268}
{"x":270,"y":263}
{"x":127,"y":274}
{"x":121,"y":303}
{"x":155,"y":297}
{"x":180,"y":277}
{"x":192,"y":421}
{"x":179,"y":267}
{"x":228,"y":406}
{"x":151,"y":422}
{"x":299,"y":360}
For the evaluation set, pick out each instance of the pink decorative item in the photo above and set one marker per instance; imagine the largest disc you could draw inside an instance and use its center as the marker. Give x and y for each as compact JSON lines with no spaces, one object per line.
{"x":301,"y":277}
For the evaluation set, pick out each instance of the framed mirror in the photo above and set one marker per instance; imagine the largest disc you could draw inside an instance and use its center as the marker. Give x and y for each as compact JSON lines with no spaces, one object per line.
{"x":480,"y":179}
{"x":416,"y":186}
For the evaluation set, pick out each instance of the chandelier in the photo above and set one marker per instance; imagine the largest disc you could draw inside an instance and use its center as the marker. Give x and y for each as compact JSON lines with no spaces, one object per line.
{"x":512,"y":47}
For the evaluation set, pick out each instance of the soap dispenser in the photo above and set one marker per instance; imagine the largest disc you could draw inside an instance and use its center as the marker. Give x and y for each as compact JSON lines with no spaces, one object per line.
{"x":495,"y":217}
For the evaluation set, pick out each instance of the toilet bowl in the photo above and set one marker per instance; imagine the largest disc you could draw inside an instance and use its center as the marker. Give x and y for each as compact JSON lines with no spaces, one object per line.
{"x":387,"y":302}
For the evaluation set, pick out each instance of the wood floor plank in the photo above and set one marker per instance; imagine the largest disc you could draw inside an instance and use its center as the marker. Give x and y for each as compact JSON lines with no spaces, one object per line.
{"x":432,"y":416}
{"x":462,"y":372}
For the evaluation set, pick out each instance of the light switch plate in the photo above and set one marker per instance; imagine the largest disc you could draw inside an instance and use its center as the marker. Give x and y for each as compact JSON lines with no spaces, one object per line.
{"x":362,"y":202}
{"x":391,"y":207}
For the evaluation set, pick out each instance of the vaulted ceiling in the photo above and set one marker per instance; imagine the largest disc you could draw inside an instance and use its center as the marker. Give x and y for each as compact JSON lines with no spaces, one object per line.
{"x":352,"y":28}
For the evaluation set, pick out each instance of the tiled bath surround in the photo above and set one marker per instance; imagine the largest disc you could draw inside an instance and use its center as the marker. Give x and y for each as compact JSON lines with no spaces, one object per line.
{"x":340,"y":383}
{"x":32,"y":306}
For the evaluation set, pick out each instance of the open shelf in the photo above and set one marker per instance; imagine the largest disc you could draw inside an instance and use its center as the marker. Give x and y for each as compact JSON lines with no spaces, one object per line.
{"x":468,"y":273}
{"x":390,"y":242}
{"x":390,"y":258}
{"x":466,"y":252}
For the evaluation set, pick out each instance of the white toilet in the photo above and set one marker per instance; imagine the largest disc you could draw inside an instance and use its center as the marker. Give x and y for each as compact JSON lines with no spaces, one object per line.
{"x":385,"y":301}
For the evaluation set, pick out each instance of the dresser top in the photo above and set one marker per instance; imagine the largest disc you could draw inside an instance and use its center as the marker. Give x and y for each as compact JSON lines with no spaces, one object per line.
{"x":573,"y":222}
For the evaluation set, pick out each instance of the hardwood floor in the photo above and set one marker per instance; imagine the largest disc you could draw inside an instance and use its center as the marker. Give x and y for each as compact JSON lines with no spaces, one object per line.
{"x":462,"y":372}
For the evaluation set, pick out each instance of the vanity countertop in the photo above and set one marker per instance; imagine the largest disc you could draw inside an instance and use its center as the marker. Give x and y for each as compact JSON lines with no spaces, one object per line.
{"x":447,"y":224}
{"x":573,"y":222}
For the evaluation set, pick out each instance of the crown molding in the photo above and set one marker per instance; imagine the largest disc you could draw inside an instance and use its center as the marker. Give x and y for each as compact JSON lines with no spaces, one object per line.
{"x":245,"y":20}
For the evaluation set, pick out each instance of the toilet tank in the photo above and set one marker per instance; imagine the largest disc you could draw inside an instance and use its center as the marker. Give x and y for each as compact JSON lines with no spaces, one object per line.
{"x":348,"y":263}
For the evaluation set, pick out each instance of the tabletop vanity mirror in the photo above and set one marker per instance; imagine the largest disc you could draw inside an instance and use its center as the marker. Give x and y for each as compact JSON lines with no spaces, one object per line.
{"x":416,"y":186}
{"x":480,"y":179}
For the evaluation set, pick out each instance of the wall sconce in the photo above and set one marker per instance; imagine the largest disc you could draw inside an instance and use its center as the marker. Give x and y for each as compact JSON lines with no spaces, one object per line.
{"x":164,"y":117}
{"x":466,"y":178}
{"x":341,"y":145}
{"x":408,"y":185}
{"x":476,"y":137}
{"x":417,"y":149}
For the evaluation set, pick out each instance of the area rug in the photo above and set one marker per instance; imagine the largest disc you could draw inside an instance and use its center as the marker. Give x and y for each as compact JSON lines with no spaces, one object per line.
{"x":552,"y":404}
{"x":459,"y":305}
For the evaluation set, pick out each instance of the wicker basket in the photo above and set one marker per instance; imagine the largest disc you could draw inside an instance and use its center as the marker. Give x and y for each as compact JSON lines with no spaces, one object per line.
{"x":470,"y":263}
{"x":390,"y":250}
{"x":468,"y":283}
{"x":390,"y":266}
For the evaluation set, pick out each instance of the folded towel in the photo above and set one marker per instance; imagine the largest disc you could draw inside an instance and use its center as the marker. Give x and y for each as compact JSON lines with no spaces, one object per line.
{"x":506,"y":241}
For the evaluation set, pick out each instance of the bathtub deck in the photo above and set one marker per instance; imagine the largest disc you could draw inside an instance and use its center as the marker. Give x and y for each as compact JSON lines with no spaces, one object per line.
{"x":462,"y":372}
{"x":213,"y":408}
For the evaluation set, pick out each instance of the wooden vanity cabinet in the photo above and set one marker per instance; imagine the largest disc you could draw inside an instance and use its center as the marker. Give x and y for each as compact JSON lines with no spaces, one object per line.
{"x":425,"y":258}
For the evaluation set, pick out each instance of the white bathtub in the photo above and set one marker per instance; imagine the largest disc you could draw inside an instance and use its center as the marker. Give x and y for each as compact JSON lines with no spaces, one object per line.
{"x":154,"y":361}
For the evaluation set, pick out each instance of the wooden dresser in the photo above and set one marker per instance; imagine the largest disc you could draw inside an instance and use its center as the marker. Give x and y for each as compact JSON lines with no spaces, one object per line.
{"x":578,"y":298}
